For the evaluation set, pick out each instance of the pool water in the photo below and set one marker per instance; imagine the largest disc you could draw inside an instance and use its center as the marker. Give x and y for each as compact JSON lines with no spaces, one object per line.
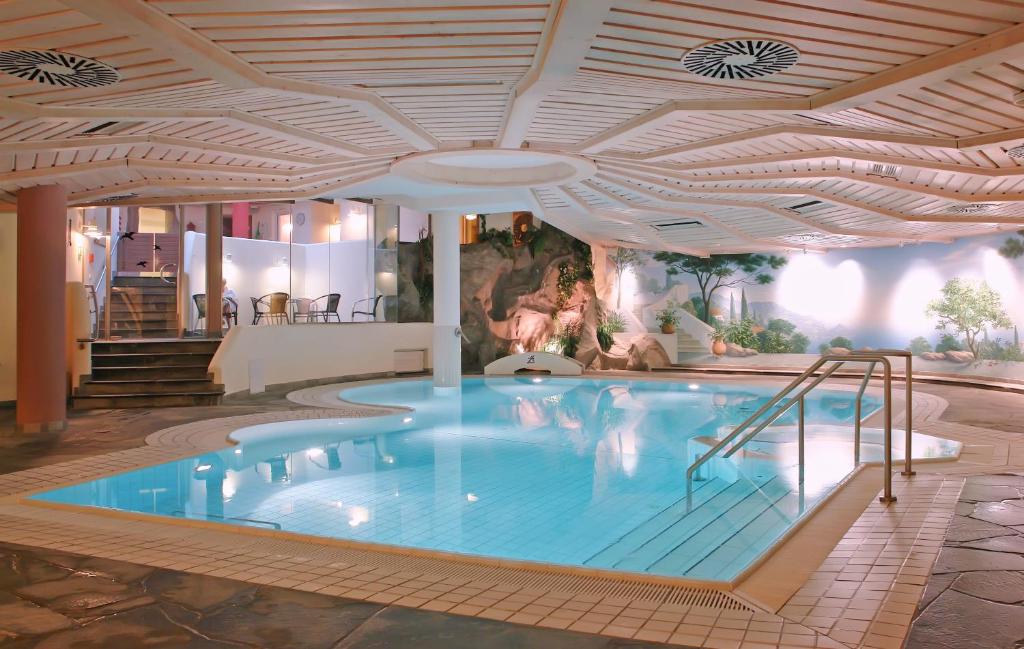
{"x":581,"y":472}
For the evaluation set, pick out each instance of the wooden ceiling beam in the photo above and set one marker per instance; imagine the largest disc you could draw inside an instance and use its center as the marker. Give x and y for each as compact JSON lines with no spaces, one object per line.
{"x":570,"y":30}
{"x":697,"y":183}
{"x":787,"y":215}
{"x":874,"y":210}
{"x":256,"y":123}
{"x":151,"y":27}
{"x":935,"y":68}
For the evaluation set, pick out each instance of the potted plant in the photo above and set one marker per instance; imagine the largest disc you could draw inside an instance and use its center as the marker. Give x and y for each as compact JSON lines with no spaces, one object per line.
{"x":668,"y":319}
{"x":718,"y":347}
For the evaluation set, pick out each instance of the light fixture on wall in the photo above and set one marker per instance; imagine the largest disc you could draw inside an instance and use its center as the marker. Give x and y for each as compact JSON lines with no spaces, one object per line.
{"x":470,"y":217}
{"x":227,"y":258}
{"x":92,"y":231}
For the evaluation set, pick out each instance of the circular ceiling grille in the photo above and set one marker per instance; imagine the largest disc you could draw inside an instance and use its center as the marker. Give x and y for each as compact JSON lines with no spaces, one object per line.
{"x":1016,"y":152}
{"x":57,"y":68}
{"x":972,"y":208}
{"x":741,"y":58}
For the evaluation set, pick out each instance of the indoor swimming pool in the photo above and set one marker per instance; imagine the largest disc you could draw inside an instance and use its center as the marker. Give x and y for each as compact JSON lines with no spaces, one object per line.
{"x":576,"y":472}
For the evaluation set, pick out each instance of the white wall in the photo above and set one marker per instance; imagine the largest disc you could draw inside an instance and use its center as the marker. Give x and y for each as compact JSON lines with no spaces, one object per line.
{"x":286,"y":354}
{"x":255,"y":269}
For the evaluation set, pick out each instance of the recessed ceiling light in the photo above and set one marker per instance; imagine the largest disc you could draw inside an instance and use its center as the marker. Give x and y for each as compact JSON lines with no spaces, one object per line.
{"x":740,"y":58}
{"x":57,"y":68}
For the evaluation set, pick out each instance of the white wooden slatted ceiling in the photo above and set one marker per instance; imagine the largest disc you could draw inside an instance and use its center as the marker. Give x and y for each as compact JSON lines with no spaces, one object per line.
{"x":895,"y":116}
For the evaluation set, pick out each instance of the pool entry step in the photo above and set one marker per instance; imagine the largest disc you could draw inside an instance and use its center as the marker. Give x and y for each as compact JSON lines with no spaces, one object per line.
{"x":149,"y":374}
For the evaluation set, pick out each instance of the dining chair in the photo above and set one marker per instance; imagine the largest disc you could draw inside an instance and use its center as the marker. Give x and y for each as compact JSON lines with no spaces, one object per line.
{"x":330,"y":307}
{"x":279,"y":307}
{"x":302,"y":307}
{"x":366,"y":307}
{"x":258,"y":308}
{"x":200,"y":301}
{"x":231,"y":314}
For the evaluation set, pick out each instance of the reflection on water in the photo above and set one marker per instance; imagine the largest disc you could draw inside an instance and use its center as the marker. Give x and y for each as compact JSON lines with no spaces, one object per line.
{"x":554,"y":470}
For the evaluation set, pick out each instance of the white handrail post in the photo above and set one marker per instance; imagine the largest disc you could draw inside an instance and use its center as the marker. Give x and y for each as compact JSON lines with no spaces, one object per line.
{"x":908,"y":469}
{"x":887,"y":496}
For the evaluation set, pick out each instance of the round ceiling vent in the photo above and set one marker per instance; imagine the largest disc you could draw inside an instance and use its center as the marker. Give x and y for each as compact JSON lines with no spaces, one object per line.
{"x":57,"y":68}
{"x":1017,"y":152}
{"x":972,"y":208}
{"x":740,"y":58}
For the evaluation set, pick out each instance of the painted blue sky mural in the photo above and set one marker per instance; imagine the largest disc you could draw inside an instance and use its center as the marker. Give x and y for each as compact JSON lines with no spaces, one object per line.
{"x":875,"y":297}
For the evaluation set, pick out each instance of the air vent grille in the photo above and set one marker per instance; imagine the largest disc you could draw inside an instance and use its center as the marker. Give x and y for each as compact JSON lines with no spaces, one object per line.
{"x":1017,"y":152}
{"x":885,"y":171}
{"x":108,"y":128}
{"x":804,"y":206}
{"x":57,"y":68}
{"x":672,"y":225}
{"x":741,"y":58}
{"x":972,"y":208}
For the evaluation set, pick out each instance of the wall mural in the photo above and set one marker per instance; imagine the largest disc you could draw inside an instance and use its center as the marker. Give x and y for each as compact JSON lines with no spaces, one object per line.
{"x":959,"y":307}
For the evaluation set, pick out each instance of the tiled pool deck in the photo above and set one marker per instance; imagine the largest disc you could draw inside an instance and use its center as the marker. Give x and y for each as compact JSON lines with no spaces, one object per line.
{"x":851,"y":577}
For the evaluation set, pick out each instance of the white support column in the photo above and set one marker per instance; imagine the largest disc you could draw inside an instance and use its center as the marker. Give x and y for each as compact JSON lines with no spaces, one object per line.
{"x":447,"y":309}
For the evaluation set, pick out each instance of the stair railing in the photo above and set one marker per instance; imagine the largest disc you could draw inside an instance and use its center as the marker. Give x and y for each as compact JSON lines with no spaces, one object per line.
{"x":802,"y":385}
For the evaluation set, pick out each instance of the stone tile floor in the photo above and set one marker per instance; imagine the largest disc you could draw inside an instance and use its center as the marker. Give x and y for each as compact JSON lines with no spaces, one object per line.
{"x":975,"y":595}
{"x":55,"y":600}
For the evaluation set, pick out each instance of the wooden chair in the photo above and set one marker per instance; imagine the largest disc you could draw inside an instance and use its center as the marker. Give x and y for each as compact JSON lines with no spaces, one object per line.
{"x":279,"y":308}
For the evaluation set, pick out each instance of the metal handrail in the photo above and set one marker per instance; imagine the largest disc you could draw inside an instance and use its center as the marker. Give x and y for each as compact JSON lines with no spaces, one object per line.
{"x":872,"y":358}
{"x":103,"y":270}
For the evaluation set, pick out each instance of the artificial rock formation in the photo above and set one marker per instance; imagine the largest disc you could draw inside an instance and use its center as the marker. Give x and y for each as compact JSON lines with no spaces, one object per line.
{"x":516,"y":298}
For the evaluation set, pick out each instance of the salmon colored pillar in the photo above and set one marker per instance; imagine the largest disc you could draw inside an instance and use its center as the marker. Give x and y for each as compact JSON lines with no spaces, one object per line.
{"x":41,"y":355}
{"x":240,"y":220}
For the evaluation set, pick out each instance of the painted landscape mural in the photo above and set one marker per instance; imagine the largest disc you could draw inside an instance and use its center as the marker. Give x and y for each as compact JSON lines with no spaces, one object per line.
{"x":959,"y":307}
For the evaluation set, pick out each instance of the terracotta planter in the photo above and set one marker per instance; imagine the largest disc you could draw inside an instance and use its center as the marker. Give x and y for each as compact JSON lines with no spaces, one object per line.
{"x":668,"y":328}
{"x":718,"y":348}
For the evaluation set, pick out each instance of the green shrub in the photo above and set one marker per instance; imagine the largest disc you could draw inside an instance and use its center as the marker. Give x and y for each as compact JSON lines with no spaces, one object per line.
{"x":919,"y":346}
{"x":612,"y":323}
{"x":949,"y":343}
{"x":568,"y":336}
{"x":841,"y":341}
{"x":741,"y":332}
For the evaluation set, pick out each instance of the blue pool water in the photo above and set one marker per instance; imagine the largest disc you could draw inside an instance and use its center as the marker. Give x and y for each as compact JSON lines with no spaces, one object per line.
{"x":583,"y":472}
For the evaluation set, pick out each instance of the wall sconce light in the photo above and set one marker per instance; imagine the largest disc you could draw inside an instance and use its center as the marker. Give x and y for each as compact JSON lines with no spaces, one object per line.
{"x":227,"y":258}
{"x":92,"y":231}
{"x":283,"y":262}
{"x":470,"y":217}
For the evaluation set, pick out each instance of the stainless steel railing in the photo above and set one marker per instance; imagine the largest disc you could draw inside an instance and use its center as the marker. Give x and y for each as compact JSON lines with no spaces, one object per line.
{"x":802,"y":385}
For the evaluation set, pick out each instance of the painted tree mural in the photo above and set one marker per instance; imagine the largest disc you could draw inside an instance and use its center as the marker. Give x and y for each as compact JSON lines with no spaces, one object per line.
{"x":968,"y":308}
{"x":1013,"y":248}
{"x":623,"y":260}
{"x":721,"y":271}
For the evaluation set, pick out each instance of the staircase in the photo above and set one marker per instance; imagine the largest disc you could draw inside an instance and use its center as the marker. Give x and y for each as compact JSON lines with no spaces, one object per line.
{"x":689,"y":347}
{"x":142,"y":307}
{"x":149,"y":374}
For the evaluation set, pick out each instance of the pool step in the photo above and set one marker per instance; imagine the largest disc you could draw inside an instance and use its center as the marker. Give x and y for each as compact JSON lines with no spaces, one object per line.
{"x":721,"y":529}
{"x":689,"y":530}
